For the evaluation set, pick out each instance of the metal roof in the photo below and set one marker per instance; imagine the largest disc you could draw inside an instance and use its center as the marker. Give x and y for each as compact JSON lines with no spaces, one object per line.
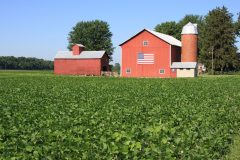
{"x":83,"y":55}
{"x":184,"y":65}
{"x":190,"y":29}
{"x":169,"y":39}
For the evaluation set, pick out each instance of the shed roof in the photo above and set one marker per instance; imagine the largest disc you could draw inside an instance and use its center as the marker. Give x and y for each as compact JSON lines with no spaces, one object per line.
{"x":83,"y":55}
{"x":167,"y":38}
{"x":184,"y":65}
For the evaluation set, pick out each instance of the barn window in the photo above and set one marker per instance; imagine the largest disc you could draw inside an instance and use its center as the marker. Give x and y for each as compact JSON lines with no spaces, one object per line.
{"x":128,"y":70}
{"x":161,"y":71}
{"x":145,"y":43}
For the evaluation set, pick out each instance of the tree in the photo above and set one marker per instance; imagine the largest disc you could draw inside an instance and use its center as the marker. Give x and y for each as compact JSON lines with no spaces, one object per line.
{"x":193,"y":19}
{"x":169,"y":28}
{"x":116,"y":68}
{"x":237,"y":25}
{"x":175,"y":28}
{"x":219,"y":35}
{"x":23,"y":63}
{"x":94,"y":35}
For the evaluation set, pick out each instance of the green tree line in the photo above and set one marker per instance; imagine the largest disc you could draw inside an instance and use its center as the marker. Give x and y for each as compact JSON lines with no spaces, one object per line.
{"x":24,"y":63}
{"x":216,"y":40}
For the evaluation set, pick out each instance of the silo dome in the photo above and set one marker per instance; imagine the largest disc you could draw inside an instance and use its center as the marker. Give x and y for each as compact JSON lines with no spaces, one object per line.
{"x":190,"y":29}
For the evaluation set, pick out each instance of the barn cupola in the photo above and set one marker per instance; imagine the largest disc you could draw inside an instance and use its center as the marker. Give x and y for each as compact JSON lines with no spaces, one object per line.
{"x":77,"y":49}
{"x":189,"y":43}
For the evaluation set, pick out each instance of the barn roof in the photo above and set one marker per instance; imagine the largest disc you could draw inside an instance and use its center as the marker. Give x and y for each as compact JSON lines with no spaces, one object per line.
{"x":184,"y":65}
{"x":167,"y":38}
{"x":83,"y":55}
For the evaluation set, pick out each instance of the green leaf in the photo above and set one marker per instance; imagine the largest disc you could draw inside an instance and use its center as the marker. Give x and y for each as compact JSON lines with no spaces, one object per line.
{"x":29,"y":148}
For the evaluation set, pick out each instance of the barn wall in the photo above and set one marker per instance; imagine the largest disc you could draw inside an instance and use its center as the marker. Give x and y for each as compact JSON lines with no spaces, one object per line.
{"x":77,"y":67}
{"x":186,"y":73}
{"x":156,"y":46}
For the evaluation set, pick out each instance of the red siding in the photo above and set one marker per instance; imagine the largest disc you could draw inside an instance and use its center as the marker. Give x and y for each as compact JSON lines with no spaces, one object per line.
{"x":156,"y":46}
{"x":78,"y":66}
{"x":77,"y":50}
{"x":189,"y":47}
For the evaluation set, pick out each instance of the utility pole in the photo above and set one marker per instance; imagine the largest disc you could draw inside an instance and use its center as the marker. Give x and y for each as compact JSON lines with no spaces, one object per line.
{"x":212,"y":60}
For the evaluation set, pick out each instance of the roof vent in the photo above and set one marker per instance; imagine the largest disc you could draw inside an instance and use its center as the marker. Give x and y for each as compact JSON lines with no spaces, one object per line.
{"x":190,"y":29}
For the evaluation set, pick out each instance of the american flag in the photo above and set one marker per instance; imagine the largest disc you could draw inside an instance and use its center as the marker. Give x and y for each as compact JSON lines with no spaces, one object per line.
{"x":145,"y":58}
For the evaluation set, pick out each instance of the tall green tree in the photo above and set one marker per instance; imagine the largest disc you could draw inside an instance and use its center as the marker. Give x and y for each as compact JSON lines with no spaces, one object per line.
{"x":237,"y":25}
{"x":175,"y":28}
{"x":169,"y":28}
{"x":94,"y":35}
{"x":219,"y":35}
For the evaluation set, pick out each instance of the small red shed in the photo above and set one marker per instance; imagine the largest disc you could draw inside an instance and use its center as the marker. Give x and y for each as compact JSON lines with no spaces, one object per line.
{"x":150,"y":54}
{"x":81,"y":62}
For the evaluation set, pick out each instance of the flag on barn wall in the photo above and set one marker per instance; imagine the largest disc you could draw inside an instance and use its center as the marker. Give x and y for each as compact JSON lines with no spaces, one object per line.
{"x":144,"y":58}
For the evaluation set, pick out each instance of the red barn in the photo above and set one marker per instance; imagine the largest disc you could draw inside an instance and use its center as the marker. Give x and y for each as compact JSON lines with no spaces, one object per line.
{"x":154,"y":54}
{"x":80,"y":62}
{"x":150,"y":54}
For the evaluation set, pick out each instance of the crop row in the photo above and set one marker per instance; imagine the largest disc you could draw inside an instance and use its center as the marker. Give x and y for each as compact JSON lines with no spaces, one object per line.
{"x":55,"y":117}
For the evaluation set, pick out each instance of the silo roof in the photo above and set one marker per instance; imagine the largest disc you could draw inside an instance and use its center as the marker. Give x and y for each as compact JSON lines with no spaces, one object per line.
{"x":190,"y":29}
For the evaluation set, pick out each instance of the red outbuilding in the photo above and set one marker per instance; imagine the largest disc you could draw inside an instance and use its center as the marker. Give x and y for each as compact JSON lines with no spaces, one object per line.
{"x":150,"y":54}
{"x":80,"y":62}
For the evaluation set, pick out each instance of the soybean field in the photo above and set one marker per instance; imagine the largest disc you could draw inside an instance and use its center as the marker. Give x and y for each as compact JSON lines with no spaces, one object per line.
{"x":43,"y":116}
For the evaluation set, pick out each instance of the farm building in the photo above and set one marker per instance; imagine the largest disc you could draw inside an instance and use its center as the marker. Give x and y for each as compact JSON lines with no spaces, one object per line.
{"x":153,"y":54}
{"x":80,"y":62}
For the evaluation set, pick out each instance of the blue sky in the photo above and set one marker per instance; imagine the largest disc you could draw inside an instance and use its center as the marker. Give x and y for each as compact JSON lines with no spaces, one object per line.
{"x":40,"y":28}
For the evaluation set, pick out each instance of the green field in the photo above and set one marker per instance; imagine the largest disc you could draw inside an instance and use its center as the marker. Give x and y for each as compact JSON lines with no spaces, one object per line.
{"x":43,"y":116}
